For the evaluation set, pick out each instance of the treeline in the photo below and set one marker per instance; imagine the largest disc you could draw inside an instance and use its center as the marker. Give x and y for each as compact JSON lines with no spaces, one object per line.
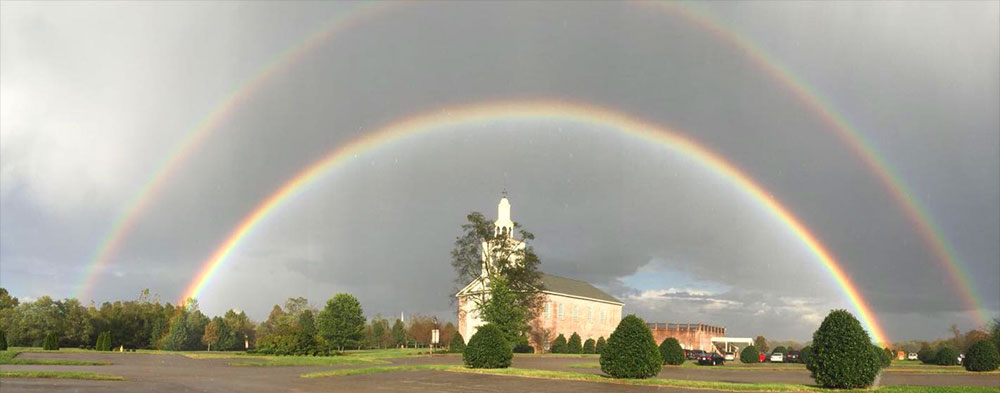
{"x":145,"y":323}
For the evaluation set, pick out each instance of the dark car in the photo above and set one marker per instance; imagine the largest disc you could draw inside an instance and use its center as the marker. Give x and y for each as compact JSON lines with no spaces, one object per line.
{"x":711,"y":359}
{"x":793,"y":357}
{"x":693,"y":354}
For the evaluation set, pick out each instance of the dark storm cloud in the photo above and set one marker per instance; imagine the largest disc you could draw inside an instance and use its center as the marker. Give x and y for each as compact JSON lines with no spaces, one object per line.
{"x":603,"y":206}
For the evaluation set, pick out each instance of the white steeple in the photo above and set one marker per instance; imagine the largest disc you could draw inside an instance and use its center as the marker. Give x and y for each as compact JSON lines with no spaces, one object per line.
{"x":503,"y":224}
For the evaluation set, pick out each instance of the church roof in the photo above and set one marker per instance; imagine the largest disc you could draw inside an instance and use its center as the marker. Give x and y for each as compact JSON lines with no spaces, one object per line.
{"x":569,"y":286}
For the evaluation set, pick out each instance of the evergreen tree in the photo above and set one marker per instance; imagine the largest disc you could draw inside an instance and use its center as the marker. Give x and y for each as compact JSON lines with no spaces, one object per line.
{"x":457,"y":343}
{"x":305,"y":339}
{"x":559,"y":344}
{"x":842,"y":353}
{"x":671,"y":351}
{"x":399,"y":333}
{"x":502,"y":310}
{"x":600,"y":344}
{"x":588,"y":346}
{"x":573,"y":345}
{"x":3,"y":338}
{"x":631,"y":351}
{"x":177,"y":336}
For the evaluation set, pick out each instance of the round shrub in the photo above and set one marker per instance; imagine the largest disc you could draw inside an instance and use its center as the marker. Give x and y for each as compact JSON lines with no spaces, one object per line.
{"x":631,"y":351}
{"x":559,"y":344}
{"x":842,"y":353}
{"x":574,"y":345}
{"x":589,"y":346}
{"x":457,"y":343}
{"x":926,"y":355}
{"x":750,"y":355}
{"x":982,"y":356}
{"x":600,"y":344}
{"x":487,"y":349}
{"x":947,"y":356}
{"x":671,"y":352}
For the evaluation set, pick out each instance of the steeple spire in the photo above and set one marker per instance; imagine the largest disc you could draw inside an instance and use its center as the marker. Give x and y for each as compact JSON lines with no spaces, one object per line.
{"x":503,"y":224}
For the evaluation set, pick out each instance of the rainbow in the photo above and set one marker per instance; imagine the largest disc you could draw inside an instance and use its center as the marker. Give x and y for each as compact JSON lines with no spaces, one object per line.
{"x":140,"y":201}
{"x":920,"y":218}
{"x":533,"y":110}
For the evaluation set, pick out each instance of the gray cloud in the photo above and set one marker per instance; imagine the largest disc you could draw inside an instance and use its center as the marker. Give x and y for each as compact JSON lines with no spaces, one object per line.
{"x":95,"y":97}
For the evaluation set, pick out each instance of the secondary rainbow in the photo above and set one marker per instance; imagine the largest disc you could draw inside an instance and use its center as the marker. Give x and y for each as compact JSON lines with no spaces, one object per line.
{"x":938,"y":244}
{"x":944,"y":253}
{"x":126,"y":218}
{"x":534,"y":110}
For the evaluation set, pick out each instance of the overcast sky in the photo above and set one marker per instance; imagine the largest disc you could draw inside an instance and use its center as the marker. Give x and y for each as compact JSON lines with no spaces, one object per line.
{"x":94,"y":96}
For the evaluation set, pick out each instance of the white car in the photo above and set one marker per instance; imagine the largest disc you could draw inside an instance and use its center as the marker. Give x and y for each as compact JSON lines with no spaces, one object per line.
{"x":778,"y":357}
{"x":911,"y":356}
{"x":729,"y":355}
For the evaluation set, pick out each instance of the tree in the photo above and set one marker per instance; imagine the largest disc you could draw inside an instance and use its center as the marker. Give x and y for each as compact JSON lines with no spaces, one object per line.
{"x":380,"y":332}
{"x":504,"y":258}
{"x":994,"y":331}
{"x":574,"y":345}
{"x":600,"y":344}
{"x":448,"y":331}
{"x":671,"y":351}
{"x":842,"y":355}
{"x":631,"y":351}
{"x":177,"y":337}
{"x":805,"y":354}
{"x":982,"y":356}
{"x":211,"y":335}
{"x":51,"y":342}
{"x":421,"y":327}
{"x":399,"y":333}
{"x":488,"y":349}
{"x":342,"y":321}
{"x":761,"y":344}
{"x":750,"y":354}
{"x":457,"y":343}
{"x":589,"y":346}
{"x":558,"y":345}
{"x":502,"y":311}
{"x":3,"y":338}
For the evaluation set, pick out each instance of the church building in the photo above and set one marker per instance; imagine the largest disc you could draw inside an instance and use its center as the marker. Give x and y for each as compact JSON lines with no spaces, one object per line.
{"x":570,"y":306}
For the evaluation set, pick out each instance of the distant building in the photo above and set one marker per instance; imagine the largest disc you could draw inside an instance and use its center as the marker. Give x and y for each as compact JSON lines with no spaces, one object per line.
{"x":690,"y":335}
{"x":570,"y":306}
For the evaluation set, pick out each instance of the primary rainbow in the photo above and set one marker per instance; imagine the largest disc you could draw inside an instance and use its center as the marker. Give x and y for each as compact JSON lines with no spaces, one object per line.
{"x":190,"y":142}
{"x":534,"y":110}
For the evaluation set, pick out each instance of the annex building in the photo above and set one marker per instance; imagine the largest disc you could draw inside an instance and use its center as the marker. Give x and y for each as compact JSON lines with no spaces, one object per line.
{"x":570,"y":306}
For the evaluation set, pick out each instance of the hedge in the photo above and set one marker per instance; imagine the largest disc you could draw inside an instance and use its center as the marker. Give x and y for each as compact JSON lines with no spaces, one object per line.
{"x":671,"y":352}
{"x":982,"y":356}
{"x":488,"y":349}
{"x":926,"y":355}
{"x":843,"y":356}
{"x":631,"y":351}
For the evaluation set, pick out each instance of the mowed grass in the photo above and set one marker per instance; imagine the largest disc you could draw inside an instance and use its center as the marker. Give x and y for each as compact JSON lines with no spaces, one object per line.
{"x":10,"y":357}
{"x":894,"y":368}
{"x":60,"y":375}
{"x":659,"y":382}
{"x":369,"y":357}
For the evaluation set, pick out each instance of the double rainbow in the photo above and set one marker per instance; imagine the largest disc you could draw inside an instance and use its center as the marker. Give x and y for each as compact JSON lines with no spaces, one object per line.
{"x":535,"y":110}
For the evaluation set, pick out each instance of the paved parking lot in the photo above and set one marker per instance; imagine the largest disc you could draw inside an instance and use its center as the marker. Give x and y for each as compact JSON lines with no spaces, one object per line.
{"x":177,"y":373}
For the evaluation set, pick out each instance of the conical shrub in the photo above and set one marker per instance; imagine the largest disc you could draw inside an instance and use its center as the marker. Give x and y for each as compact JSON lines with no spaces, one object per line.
{"x":488,"y":349}
{"x":671,"y":351}
{"x":843,"y":356}
{"x":631,"y":351}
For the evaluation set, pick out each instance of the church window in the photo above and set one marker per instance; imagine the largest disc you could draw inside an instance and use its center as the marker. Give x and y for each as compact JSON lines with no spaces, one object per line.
{"x":546,"y":310}
{"x":604,"y":317}
{"x":559,"y":311}
{"x":590,"y":314}
{"x":576,"y":315}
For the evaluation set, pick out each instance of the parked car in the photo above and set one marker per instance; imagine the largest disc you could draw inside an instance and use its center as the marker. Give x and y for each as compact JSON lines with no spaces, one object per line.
{"x":762,"y":357}
{"x":793,"y":357}
{"x":912,"y":356}
{"x":694,"y":354}
{"x":711,"y":359}
{"x":777,"y":357}
{"x":729,"y":355}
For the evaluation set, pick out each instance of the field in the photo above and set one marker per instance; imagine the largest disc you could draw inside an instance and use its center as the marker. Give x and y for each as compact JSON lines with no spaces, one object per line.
{"x":27,"y":369}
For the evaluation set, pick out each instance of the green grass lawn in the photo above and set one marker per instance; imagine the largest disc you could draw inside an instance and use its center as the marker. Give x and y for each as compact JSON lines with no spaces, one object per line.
{"x":10,"y":357}
{"x":60,"y":375}
{"x":662,"y":382}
